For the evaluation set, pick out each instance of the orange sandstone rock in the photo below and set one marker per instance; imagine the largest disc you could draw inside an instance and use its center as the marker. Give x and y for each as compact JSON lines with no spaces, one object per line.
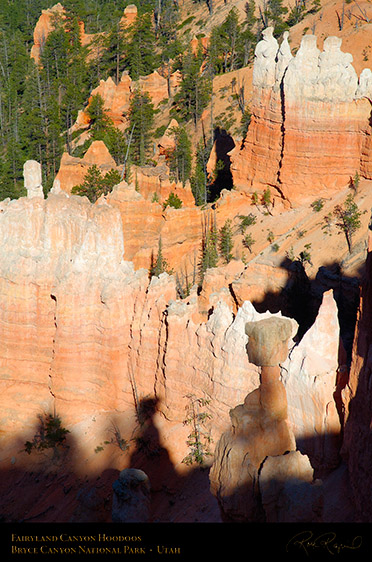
{"x":43,"y":27}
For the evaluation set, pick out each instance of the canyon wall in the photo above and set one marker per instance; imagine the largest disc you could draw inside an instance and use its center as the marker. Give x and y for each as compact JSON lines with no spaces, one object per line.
{"x":310,"y":129}
{"x":85,"y":334}
{"x":356,"y":397}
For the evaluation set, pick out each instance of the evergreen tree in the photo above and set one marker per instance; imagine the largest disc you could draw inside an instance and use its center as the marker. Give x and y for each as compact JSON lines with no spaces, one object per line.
{"x":199,"y":180}
{"x":99,"y":120}
{"x":141,"y":119}
{"x":195,"y":89}
{"x":226,"y":41}
{"x":179,"y":159}
{"x":274,"y":14}
{"x":348,"y":218}
{"x":94,"y":184}
{"x":141,"y":58}
{"x":114,"y":45}
{"x":226,"y":241}
{"x":209,"y":250}
{"x":160,"y":264}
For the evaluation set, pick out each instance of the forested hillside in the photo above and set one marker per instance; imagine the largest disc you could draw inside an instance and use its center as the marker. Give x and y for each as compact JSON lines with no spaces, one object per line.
{"x":39,"y":102}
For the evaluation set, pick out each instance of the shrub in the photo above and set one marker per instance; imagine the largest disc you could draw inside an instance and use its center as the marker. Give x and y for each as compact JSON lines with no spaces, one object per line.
{"x":50,"y":434}
{"x":95,"y":185}
{"x":245,"y":221}
{"x":248,"y":241}
{"x":198,"y":440}
{"x":317,"y":205}
{"x":348,"y":218}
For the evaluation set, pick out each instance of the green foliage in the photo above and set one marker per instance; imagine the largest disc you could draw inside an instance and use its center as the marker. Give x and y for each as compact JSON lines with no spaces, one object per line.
{"x":354,"y":182}
{"x":226,"y":241}
{"x":194,"y":92}
{"x":94,"y":184}
{"x":254,"y":198}
{"x":141,"y":119}
{"x":99,"y":120}
{"x":305,"y":256}
{"x":179,"y":159}
{"x":270,"y":237}
{"x":275,"y":247}
{"x":245,"y":121}
{"x":199,"y":439}
{"x":266,"y":200}
{"x":116,"y":440}
{"x":248,"y":241}
{"x":159,"y":265}
{"x":209,"y":250}
{"x":274,"y":16}
{"x":172,"y":201}
{"x":348,"y":218}
{"x":141,"y":58}
{"x":317,"y":205}
{"x":50,"y":435}
{"x":245,"y":221}
{"x":232,"y":42}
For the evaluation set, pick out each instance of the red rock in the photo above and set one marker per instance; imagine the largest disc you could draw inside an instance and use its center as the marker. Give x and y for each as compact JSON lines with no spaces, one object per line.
{"x":43,"y":27}
{"x":72,"y":170}
{"x":310,"y":131}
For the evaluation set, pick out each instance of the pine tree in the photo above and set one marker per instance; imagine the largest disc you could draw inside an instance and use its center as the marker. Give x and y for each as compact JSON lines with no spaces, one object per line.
{"x":195,"y":89}
{"x":99,"y":120}
{"x":141,"y":58}
{"x":209,"y":257}
{"x":274,"y":14}
{"x":94,"y":184}
{"x":179,"y":159}
{"x":348,"y":219}
{"x":160,"y":264}
{"x":226,"y":241}
{"x":141,"y":119}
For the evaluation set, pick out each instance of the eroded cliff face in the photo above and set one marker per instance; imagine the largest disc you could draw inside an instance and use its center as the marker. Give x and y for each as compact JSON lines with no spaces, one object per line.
{"x":81,"y":328}
{"x":88,"y":337}
{"x":310,"y":129}
{"x":357,"y":441}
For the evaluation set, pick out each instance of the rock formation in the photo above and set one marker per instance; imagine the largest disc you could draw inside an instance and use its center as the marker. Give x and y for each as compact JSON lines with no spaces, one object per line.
{"x":287,"y":433}
{"x":42,"y":29}
{"x":310,"y":130}
{"x":32,"y":179}
{"x":310,"y":376}
{"x":259,"y":425}
{"x":131,"y":501}
{"x":72,"y":169}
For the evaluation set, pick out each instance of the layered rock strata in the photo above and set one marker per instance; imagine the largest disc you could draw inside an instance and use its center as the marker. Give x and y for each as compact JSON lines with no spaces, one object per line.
{"x":310,"y":131}
{"x":85,"y":335}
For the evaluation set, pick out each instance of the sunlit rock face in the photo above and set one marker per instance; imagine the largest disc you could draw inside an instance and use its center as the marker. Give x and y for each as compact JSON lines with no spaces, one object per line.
{"x":44,"y":26}
{"x":259,"y":426}
{"x":310,"y":376}
{"x":287,"y":433}
{"x":85,"y":334}
{"x":310,"y":130}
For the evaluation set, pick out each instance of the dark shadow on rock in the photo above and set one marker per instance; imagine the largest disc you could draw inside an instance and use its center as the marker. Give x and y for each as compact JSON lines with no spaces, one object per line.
{"x":301,"y":298}
{"x":222,"y":177}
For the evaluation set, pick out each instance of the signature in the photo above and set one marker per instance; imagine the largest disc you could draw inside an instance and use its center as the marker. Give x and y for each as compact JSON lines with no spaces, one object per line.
{"x":307,"y":540}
